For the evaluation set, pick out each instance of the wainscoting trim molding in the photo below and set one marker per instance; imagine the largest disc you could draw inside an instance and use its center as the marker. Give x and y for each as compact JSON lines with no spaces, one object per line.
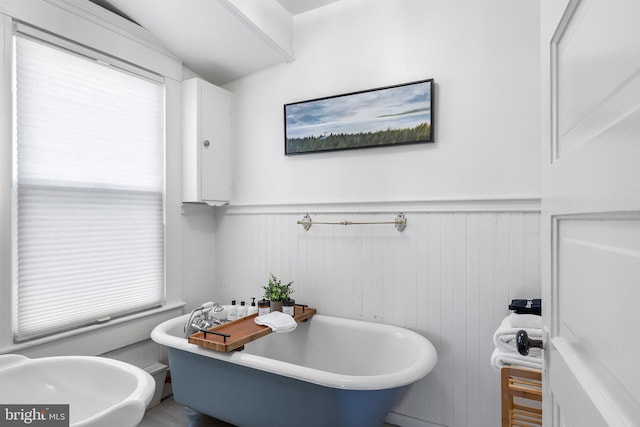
{"x":477,"y":204}
{"x":449,"y":276}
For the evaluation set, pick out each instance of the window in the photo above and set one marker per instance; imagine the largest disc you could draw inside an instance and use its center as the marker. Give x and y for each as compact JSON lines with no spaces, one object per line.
{"x":88,"y":200}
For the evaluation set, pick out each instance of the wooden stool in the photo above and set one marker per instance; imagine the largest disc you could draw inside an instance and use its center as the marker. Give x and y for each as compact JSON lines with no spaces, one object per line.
{"x":521,"y":388}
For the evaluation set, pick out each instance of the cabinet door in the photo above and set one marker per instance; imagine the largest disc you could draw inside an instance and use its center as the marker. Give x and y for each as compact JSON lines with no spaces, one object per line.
{"x":215,"y":159}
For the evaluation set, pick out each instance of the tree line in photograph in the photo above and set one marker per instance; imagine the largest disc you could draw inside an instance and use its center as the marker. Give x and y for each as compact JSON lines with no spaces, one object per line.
{"x":422,"y":132}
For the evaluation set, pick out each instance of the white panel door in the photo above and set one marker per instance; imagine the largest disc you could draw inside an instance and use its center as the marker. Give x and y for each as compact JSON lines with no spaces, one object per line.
{"x":591,"y":213}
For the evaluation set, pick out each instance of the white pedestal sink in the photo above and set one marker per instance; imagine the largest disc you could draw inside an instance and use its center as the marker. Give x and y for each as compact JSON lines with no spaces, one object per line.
{"x":100,"y":392}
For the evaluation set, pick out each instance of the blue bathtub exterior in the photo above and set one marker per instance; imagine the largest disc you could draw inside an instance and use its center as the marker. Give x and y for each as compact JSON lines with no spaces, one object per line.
{"x":248,"y":397}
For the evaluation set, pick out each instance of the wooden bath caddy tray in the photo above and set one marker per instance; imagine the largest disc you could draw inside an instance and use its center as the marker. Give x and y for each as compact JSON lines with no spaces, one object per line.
{"x":241,"y":331}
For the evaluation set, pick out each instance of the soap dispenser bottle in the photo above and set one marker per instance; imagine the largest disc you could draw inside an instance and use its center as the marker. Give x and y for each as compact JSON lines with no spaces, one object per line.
{"x":242,"y":310}
{"x":252,"y":308}
{"x":232,"y":314}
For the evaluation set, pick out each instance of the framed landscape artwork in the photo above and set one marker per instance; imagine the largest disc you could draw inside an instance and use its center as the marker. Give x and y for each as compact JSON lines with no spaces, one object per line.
{"x":392,"y":115}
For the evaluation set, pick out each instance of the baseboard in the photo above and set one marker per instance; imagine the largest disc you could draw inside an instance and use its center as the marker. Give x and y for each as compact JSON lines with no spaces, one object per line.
{"x":404,"y":421}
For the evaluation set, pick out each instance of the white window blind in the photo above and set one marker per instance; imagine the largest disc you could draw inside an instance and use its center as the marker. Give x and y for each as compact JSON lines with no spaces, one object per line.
{"x":88,"y":190}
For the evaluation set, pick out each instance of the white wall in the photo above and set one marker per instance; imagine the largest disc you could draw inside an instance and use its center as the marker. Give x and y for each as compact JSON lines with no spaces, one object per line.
{"x":484,"y":59}
{"x":470,"y":245}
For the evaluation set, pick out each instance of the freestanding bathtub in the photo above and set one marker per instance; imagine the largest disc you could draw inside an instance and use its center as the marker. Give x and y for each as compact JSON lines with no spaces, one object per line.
{"x":328,"y":372}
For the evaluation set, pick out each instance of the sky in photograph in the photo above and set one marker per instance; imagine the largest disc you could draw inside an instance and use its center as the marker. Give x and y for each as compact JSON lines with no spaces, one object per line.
{"x":365,"y":112}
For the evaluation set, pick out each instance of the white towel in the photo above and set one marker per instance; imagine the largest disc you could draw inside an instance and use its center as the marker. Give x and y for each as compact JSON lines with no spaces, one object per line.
{"x":500,"y":359}
{"x":277,"y":321}
{"x":505,"y":336}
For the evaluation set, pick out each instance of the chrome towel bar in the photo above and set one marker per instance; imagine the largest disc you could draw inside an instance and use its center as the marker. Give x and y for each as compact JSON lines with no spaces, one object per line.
{"x":400,"y":222}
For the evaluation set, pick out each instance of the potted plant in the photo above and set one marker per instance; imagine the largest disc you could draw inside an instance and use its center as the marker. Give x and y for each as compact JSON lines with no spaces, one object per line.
{"x":276,"y":292}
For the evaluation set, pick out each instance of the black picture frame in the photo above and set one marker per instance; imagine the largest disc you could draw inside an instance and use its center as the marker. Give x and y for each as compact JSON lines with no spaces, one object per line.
{"x":391,"y":115}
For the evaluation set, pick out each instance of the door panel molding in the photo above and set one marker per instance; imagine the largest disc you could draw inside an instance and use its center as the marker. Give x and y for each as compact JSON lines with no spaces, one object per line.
{"x":596,"y":266}
{"x":579,"y":386}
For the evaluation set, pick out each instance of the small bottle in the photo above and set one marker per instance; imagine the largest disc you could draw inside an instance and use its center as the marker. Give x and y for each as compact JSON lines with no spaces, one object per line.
{"x":233,"y":311}
{"x":289,"y":307}
{"x":264,"y":307}
{"x":242,"y":310}
{"x":252,"y":308}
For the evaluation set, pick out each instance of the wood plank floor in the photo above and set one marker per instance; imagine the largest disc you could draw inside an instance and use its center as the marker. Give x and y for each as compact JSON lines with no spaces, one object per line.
{"x":170,"y":414}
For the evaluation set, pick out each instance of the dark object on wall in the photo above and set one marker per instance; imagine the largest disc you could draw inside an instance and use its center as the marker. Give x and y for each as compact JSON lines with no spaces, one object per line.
{"x":392,"y":115}
{"x":526,"y":306}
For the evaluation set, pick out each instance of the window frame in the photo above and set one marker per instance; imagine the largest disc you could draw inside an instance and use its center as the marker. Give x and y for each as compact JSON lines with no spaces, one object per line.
{"x":70,"y":48}
{"x":103,"y":32}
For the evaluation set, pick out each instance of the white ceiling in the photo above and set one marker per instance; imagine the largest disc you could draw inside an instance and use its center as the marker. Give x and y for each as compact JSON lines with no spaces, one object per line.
{"x":293,"y":6}
{"x":207,"y":37}
{"x":301,"y":6}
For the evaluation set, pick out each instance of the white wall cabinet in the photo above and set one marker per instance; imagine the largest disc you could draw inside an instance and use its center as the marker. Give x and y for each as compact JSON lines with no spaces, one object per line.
{"x":206,"y":142}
